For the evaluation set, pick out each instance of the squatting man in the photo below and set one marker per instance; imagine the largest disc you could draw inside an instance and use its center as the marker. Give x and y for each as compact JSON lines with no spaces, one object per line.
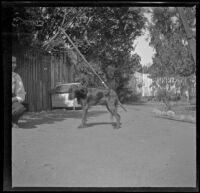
{"x":18,"y":95}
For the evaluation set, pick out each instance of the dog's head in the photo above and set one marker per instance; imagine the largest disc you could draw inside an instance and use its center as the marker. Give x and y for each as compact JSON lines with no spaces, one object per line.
{"x":72,"y":92}
{"x":77,"y":91}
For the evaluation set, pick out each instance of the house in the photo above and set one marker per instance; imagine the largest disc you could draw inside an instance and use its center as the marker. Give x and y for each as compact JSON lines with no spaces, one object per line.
{"x":182,"y":86}
{"x":141,"y":84}
{"x":147,"y":90}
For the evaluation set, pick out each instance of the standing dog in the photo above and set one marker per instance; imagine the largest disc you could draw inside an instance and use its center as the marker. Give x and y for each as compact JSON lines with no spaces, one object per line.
{"x":88,"y":97}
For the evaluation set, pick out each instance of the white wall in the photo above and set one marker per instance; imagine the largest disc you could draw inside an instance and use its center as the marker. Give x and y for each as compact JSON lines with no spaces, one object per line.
{"x":143,"y":79}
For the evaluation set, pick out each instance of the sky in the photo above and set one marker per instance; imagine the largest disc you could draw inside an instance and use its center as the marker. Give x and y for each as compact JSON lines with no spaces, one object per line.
{"x":143,"y":49}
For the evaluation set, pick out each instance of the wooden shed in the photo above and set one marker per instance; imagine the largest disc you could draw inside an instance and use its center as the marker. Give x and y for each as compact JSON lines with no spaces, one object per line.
{"x":41,"y":71}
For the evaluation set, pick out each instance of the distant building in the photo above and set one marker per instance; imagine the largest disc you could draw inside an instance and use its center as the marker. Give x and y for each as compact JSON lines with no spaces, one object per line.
{"x":141,"y":84}
{"x":146,"y":88}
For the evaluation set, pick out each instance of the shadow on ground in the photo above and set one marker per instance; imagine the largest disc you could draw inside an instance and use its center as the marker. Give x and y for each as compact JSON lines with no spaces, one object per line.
{"x":32,"y":120}
{"x":99,"y":123}
{"x":135,"y":103}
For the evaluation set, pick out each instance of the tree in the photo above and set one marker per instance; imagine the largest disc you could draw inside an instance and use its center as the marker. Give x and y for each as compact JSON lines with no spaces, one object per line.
{"x":104,"y":35}
{"x":169,"y":40}
{"x":173,"y":57}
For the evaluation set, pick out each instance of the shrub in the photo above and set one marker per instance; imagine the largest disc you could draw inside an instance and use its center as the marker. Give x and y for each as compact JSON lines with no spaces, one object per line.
{"x":174,"y":96}
{"x":135,"y":97}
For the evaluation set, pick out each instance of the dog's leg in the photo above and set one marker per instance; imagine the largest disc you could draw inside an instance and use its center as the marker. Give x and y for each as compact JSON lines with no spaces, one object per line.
{"x":111,"y":114}
{"x":117,"y":116}
{"x":112,"y":108}
{"x":84,"y":116}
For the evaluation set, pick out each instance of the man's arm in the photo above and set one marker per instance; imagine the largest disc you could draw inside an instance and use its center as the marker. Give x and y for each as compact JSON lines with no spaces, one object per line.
{"x":19,"y":90}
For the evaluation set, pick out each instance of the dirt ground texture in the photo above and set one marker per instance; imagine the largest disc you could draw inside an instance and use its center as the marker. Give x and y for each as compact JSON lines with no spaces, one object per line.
{"x":49,"y":150}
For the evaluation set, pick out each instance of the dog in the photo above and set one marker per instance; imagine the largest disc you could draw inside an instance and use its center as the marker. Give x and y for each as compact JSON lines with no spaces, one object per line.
{"x":88,"y":97}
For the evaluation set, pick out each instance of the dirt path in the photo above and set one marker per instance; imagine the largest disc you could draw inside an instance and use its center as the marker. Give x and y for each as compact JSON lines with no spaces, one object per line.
{"x":49,"y":150}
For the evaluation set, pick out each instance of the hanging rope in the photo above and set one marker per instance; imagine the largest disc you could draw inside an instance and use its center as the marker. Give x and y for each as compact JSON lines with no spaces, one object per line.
{"x":83,"y":57}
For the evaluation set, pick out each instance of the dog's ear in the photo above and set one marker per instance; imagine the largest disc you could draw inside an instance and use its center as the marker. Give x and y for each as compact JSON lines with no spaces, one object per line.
{"x":81,"y":93}
{"x":72,"y":91}
{"x":84,"y":90}
{"x":107,"y":92}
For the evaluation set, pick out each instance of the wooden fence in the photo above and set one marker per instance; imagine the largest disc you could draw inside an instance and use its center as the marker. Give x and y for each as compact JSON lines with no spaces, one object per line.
{"x":40,"y":72}
{"x":62,"y":69}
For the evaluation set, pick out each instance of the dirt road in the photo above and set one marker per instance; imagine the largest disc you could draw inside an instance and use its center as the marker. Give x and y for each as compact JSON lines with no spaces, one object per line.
{"x":49,"y":150}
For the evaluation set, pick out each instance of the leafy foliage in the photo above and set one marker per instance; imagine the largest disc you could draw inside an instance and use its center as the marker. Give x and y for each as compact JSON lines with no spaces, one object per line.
{"x":104,"y":35}
{"x":173,"y":56}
